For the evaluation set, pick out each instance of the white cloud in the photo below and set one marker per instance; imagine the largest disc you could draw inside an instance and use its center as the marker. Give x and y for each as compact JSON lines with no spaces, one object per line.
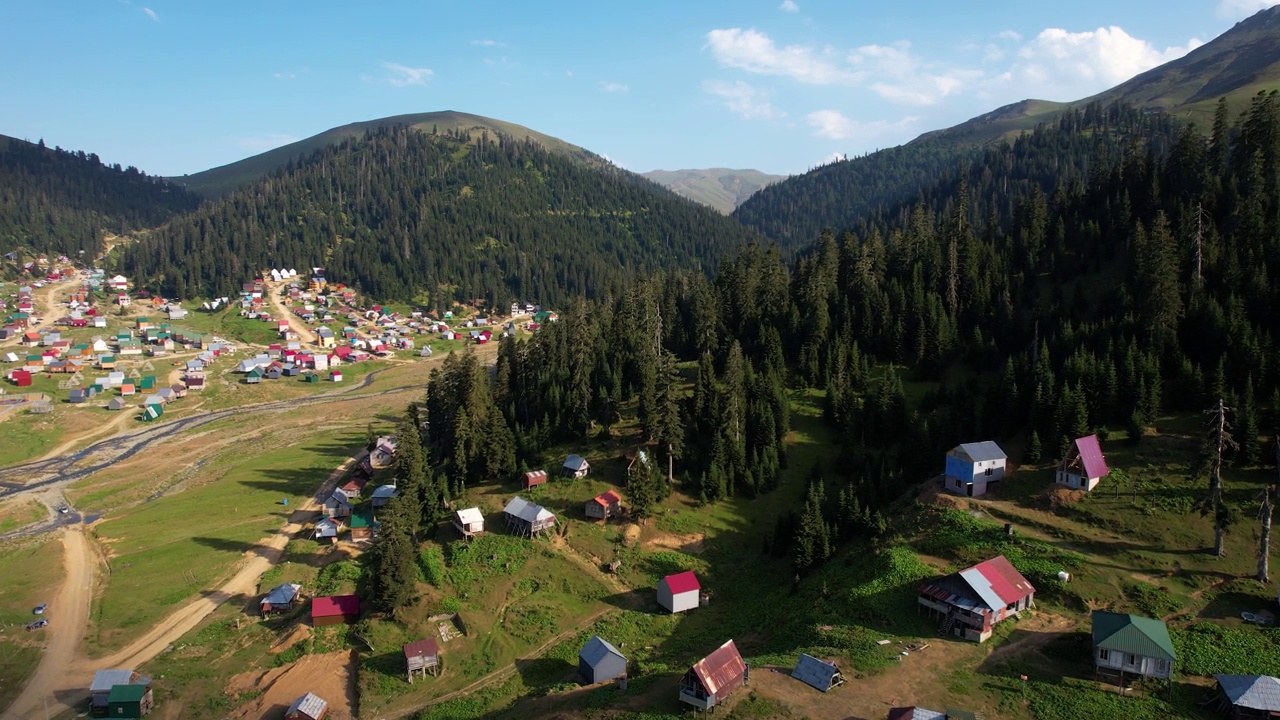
{"x":1010,"y":35}
{"x":613,"y":87}
{"x":1063,"y":65}
{"x":262,"y":143}
{"x":151,"y":14}
{"x":1234,"y":9}
{"x":834,"y":125}
{"x":789,"y":6}
{"x":284,"y":75}
{"x":404,"y":76}
{"x":755,"y":52}
{"x":488,"y":43}
{"x":743,"y":99}
{"x":903,"y":77}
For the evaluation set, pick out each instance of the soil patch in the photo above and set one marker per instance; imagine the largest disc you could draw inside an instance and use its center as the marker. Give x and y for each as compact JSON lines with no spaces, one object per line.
{"x":691,"y":543}
{"x":331,"y":676}
{"x":299,"y":633}
{"x":1058,"y":497}
{"x":934,"y":495}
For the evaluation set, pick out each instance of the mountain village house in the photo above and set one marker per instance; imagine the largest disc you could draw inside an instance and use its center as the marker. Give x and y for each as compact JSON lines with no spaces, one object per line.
{"x":575,"y":466}
{"x":604,"y":506}
{"x":308,"y":707}
{"x":335,"y":609}
{"x":971,"y":602}
{"x":469,"y":521}
{"x":280,"y":599}
{"x":1083,"y":467}
{"x":526,"y":518}
{"x":598,"y":661}
{"x":1246,"y":697}
{"x":421,"y":657}
{"x":714,"y":678}
{"x":1130,"y":646}
{"x":973,"y":466}
{"x":679,"y":592}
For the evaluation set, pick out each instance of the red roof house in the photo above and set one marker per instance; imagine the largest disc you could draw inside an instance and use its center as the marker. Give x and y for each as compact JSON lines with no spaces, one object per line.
{"x":679,"y":592}
{"x":1083,"y":467}
{"x":21,"y":378}
{"x":969,"y":603}
{"x":335,"y":609}
{"x":605,"y":505}
{"x":714,"y":677}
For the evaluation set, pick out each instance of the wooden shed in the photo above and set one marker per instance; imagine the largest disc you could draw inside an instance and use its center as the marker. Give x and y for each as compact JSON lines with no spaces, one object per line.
{"x":605,"y":505}
{"x":526,"y":518}
{"x":714,"y":678}
{"x":534,"y":478}
{"x":334,"y":610}
{"x":421,"y":657}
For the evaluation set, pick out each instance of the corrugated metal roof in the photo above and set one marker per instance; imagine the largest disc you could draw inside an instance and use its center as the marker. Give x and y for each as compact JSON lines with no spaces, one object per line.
{"x":422,"y":648}
{"x":527,"y":511}
{"x":311,"y":705}
{"x":983,"y":451}
{"x":607,"y":498}
{"x":915,"y":713}
{"x":283,"y":594}
{"x":575,"y":462}
{"x":1257,"y":692}
{"x":976,"y":580}
{"x":331,"y":605}
{"x":470,"y":515}
{"x":812,"y":671}
{"x":1132,"y":634}
{"x":127,"y":693}
{"x":1095,"y":466}
{"x":721,"y":669}
{"x":682,"y":582}
{"x":597,"y":649}
{"x":103,"y":680}
{"x":1007,"y":582}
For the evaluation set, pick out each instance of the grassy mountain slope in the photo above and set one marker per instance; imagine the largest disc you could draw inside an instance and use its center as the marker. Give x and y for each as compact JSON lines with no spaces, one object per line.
{"x":721,"y":188}
{"x":441,"y":218}
{"x":57,"y":201}
{"x":219,"y":181}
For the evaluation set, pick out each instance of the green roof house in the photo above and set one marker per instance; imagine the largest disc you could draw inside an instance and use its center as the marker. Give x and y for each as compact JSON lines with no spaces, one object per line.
{"x":1131,"y":645}
{"x":148,"y":382}
{"x":129,"y":701}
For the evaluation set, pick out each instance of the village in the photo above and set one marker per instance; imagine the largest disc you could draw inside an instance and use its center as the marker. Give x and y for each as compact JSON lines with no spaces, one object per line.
{"x":115,"y":350}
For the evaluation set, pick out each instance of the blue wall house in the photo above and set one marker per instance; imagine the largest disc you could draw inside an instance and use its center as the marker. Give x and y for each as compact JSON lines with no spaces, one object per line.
{"x":973,"y":466}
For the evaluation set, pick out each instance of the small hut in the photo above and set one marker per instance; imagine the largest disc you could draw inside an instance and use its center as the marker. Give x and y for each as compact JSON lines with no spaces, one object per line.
{"x":334,"y":610}
{"x":679,"y":592}
{"x":575,"y":466}
{"x":604,"y":506}
{"x":280,"y":599}
{"x":422,"y":656}
{"x":308,"y":707}
{"x":598,"y":661}
{"x":534,"y":478}
{"x":714,"y":678}
{"x":526,"y":518}
{"x":1246,"y":697}
{"x":817,"y":673}
{"x":469,"y":521}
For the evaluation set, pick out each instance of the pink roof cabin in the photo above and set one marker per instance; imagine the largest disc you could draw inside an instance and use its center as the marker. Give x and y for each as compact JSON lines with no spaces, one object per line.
{"x":679,"y":592}
{"x":968,"y":604}
{"x":1083,"y":467}
{"x":335,"y":609}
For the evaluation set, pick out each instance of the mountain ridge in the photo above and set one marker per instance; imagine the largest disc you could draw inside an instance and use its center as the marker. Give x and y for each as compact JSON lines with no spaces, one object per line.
{"x":721,"y":188}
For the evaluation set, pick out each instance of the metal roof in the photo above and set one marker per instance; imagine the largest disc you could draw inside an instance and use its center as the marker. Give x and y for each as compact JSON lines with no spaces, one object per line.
{"x":682,"y":582}
{"x":384,"y":491}
{"x":721,"y":669}
{"x":283,"y":594}
{"x":311,"y":705}
{"x":332,"y":605}
{"x":1008,"y":583}
{"x":597,"y":649}
{"x":575,"y":462}
{"x":103,"y":680}
{"x":607,"y":498}
{"x":976,"y":580}
{"x":915,"y":713}
{"x":527,"y":511}
{"x":127,"y":693}
{"x":1095,"y":466}
{"x":812,"y":671}
{"x":470,"y":515}
{"x":1257,"y":692}
{"x":422,"y":648}
{"x":1132,"y":634}
{"x":982,"y":451}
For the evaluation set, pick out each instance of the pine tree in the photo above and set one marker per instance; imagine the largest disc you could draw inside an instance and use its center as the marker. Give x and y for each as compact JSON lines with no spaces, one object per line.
{"x":1031,"y":454}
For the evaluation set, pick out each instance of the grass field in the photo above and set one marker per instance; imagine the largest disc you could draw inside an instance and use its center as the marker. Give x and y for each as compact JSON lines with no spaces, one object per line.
{"x":166,"y":551}
{"x":32,"y":574}
{"x":21,"y":512}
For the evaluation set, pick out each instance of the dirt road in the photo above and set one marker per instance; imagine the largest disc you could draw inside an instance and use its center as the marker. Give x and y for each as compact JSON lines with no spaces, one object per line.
{"x":279,"y":310}
{"x":68,"y":616}
{"x":63,"y":674}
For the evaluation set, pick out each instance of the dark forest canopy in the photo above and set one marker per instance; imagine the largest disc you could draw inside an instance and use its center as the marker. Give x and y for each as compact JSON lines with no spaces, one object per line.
{"x":57,"y":201}
{"x":404,"y":214}
{"x":1141,"y":285}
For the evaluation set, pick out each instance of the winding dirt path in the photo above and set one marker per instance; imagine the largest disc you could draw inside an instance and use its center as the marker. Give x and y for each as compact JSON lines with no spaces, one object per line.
{"x":64,"y":674}
{"x":279,"y":310}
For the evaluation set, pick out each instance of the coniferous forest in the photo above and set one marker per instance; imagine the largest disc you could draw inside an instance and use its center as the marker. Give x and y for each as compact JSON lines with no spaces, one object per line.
{"x":1136,"y":280}
{"x":442,"y":218}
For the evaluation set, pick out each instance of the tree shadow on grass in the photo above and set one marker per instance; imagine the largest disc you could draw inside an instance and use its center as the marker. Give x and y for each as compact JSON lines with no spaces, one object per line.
{"x":544,"y":673}
{"x":1228,"y":605}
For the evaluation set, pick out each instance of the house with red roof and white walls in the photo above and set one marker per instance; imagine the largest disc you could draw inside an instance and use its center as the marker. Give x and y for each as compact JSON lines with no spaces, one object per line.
{"x":1083,"y":467}
{"x":970,"y":603}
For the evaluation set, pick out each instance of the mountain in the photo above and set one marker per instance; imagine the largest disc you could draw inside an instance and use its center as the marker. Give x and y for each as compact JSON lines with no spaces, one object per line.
{"x":721,"y":188}
{"x":57,"y":201}
{"x":1236,"y":65}
{"x":439,"y":218}
{"x":222,"y":180}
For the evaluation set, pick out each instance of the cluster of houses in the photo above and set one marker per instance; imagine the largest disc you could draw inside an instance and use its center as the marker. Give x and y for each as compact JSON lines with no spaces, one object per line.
{"x":972,"y":468}
{"x":285,"y":361}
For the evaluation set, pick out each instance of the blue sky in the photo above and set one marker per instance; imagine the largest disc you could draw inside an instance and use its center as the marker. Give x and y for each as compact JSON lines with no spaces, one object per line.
{"x":178,"y":86}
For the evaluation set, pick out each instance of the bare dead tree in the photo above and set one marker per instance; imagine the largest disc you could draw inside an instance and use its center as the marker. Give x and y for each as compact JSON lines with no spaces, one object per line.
{"x":1217,"y":440}
{"x":1264,"y":542}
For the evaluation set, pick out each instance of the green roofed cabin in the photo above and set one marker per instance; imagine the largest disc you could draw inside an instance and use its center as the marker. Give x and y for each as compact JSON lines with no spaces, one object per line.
{"x":1131,"y":645}
{"x":129,"y":701}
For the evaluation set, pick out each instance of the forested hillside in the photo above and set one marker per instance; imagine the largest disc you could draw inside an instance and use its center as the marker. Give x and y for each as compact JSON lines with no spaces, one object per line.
{"x":1046,"y":315}
{"x":404,"y":214}
{"x":57,"y":201}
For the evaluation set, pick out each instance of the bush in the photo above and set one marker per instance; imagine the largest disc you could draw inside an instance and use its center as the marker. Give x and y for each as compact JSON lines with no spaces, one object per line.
{"x":431,"y":561}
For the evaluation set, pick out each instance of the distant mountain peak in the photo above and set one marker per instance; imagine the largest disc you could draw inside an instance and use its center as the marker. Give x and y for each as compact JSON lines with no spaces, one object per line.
{"x":721,"y":188}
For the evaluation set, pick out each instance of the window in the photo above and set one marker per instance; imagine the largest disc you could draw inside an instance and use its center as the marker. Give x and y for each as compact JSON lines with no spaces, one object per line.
{"x":989,"y":471}
{"x":1104,"y":654}
{"x":1132,"y":659}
